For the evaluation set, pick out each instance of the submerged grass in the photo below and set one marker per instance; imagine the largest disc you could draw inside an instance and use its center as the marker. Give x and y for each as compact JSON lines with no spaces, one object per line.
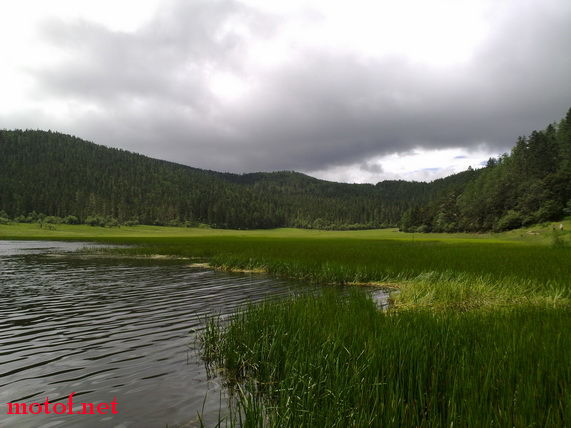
{"x":336,"y":361}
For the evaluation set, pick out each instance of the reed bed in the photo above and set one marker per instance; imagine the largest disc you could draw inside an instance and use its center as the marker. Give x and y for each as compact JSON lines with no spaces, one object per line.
{"x":478,"y":334}
{"x":428,"y":273}
{"x":334,"y":360}
{"x":356,"y":260}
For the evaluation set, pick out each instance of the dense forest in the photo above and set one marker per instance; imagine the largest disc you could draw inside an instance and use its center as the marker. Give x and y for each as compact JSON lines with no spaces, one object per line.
{"x":50,"y":177}
{"x":530,"y":185}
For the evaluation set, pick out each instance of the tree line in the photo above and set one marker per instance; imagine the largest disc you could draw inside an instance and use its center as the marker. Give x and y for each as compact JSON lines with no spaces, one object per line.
{"x":532,"y":184}
{"x":49,"y":177}
{"x":58,"y":177}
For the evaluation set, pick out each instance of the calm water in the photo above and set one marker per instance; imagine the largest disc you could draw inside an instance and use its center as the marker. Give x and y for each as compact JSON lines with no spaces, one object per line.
{"x":106,"y":328}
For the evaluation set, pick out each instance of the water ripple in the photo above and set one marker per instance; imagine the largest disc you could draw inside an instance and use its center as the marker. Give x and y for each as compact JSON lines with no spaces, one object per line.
{"x":107,"y":328}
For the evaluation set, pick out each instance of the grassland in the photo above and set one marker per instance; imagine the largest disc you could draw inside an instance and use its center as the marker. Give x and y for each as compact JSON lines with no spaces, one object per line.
{"x":540,"y":234}
{"x":477,"y":335}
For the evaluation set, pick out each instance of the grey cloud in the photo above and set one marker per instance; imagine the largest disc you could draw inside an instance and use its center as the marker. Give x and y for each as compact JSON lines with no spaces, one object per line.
{"x":374,"y":168}
{"x":166,"y":60}
{"x":320,"y":109}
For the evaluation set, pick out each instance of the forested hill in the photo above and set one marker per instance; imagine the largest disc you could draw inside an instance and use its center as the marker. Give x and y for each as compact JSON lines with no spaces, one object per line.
{"x":530,"y":185}
{"x":52,"y":174}
{"x":63,"y":177}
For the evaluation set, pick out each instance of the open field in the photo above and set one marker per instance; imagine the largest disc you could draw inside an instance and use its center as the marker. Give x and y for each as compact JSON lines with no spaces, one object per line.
{"x":538,"y":234}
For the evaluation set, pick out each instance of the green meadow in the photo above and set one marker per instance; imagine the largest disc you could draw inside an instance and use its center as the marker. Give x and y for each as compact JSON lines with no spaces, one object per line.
{"x":477,"y":334}
{"x":539,"y":234}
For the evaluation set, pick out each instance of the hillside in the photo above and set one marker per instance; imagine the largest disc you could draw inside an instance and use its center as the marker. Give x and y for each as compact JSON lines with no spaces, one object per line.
{"x":57,"y":175}
{"x":60,"y":175}
{"x":530,"y":185}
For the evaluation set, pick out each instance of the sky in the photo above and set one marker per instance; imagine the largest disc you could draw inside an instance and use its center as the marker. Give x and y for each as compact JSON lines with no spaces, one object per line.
{"x":358,"y":91}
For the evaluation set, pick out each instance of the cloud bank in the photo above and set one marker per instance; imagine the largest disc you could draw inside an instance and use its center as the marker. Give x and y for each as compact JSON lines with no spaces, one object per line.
{"x":236,"y":86}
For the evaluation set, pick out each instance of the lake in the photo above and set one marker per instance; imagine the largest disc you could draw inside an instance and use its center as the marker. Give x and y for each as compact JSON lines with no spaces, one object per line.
{"x":107,"y":329}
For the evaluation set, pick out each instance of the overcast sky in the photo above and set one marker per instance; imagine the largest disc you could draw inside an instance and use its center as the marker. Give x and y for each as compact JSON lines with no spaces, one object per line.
{"x":356,"y":91}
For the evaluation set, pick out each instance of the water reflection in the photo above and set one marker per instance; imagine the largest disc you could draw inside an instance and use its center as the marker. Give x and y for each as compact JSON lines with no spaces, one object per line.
{"x":105,"y":328}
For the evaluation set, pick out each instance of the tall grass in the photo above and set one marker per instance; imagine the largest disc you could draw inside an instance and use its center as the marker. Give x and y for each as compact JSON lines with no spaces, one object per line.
{"x":354,"y":260}
{"x":468,"y":275}
{"x":333,"y":361}
{"x":462,"y":291}
{"x":479,"y":338}
{"x":447,"y":266}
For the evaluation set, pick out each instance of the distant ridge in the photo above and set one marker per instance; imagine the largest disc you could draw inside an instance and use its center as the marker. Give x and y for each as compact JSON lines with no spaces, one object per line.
{"x":60,"y":175}
{"x":44,"y":173}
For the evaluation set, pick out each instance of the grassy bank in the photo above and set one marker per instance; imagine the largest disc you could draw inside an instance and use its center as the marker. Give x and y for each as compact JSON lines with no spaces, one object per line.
{"x":335,"y":361}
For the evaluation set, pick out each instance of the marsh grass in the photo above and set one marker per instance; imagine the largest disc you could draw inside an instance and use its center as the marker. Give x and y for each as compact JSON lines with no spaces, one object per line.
{"x":461,"y":291}
{"x":353,"y":260}
{"x":478,"y":335}
{"x":377,"y":256}
{"x":429,"y":273}
{"x":336,"y":361}
{"x":557,"y":240}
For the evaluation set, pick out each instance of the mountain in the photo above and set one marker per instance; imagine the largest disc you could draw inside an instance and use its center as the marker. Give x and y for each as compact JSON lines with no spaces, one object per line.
{"x":44,"y":173}
{"x":60,"y":175}
{"x":530,"y":185}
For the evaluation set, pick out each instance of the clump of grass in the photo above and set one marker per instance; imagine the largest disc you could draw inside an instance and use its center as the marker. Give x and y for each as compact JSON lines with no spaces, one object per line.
{"x":335,"y":361}
{"x":557,"y":240}
{"x":461,"y":291}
